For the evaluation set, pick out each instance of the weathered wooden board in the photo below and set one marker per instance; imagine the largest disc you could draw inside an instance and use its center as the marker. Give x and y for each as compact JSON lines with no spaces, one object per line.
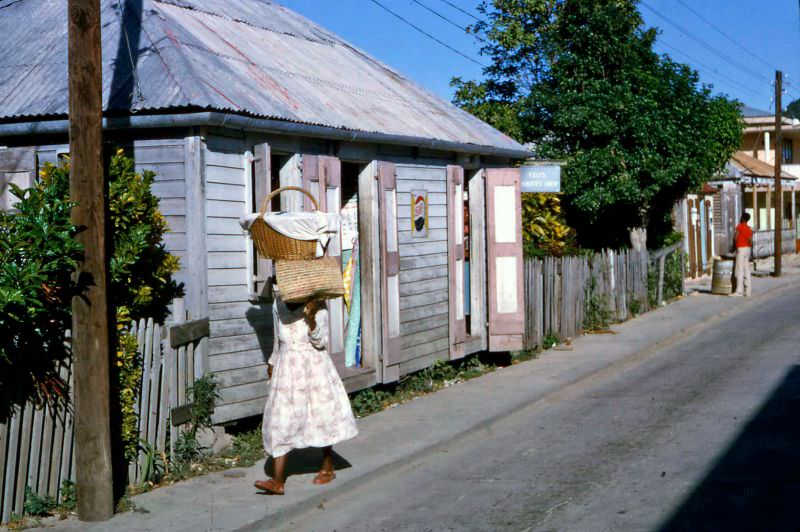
{"x":226,"y":294}
{"x":238,"y":309}
{"x":427,"y":336}
{"x":227,"y":277}
{"x":189,"y":331}
{"x":241,"y":376}
{"x":226,"y":226}
{"x":172,"y":206}
{"x":422,"y":274}
{"x":239,"y":326}
{"x":223,"y":243}
{"x":242,"y":359}
{"x":225,"y":208}
{"x":164,"y":172}
{"x":227,"y":259}
{"x":226,"y":192}
{"x":434,"y":235}
{"x":423,"y":300}
{"x":240,"y":410}
{"x":243,"y":392}
{"x":408,"y":328}
{"x":221,"y":174}
{"x":422,"y":261}
{"x":419,"y":313}
{"x":423,"y":287}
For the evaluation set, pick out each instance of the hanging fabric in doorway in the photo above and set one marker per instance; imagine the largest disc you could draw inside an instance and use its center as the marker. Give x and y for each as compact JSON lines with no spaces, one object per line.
{"x":352,"y":339}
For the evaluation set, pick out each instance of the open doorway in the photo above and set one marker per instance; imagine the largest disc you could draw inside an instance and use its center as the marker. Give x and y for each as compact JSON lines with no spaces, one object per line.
{"x":351,"y":265}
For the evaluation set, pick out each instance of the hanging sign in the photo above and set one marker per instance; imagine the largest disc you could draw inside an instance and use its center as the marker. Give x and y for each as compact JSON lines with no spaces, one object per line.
{"x":419,"y":213}
{"x":544,"y":177}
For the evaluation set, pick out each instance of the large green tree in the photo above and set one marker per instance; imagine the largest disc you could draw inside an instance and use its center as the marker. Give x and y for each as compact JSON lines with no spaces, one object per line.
{"x":580,"y":81}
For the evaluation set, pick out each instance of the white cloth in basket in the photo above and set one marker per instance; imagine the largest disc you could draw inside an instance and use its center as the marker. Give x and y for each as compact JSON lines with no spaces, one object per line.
{"x":297,"y":225}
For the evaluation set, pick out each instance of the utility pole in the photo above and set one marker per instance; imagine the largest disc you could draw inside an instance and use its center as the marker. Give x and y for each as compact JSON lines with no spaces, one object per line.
{"x":778,"y":185}
{"x":90,"y":329}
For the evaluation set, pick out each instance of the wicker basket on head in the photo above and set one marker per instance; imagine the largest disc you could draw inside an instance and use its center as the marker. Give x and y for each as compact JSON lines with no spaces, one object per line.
{"x":273,"y":245}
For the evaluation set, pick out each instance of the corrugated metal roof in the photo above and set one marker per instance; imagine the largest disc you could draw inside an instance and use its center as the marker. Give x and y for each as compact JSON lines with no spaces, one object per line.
{"x":246,"y":56}
{"x":750,"y":166}
{"x":752,"y":112}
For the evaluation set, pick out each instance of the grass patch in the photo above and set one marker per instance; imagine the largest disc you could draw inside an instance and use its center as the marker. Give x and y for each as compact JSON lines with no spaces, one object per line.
{"x":441,"y":374}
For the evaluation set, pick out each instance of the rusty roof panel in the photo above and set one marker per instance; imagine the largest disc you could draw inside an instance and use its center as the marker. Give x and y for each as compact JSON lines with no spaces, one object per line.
{"x":245,"y":56}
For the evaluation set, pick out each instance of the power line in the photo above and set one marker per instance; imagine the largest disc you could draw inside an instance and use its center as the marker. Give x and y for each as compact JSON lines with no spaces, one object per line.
{"x":704,"y":44}
{"x":450,"y":21}
{"x":728,"y":37}
{"x":731,"y":39}
{"x":714,"y":70}
{"x":457,"y":8}
{"x":462,"y":54}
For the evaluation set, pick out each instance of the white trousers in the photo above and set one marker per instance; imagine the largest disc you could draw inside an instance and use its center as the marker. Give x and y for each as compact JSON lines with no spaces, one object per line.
{"x":743,"y":271}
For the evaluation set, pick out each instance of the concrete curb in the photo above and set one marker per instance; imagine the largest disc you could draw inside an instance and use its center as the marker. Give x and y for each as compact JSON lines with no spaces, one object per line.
{"x":286,"y":514}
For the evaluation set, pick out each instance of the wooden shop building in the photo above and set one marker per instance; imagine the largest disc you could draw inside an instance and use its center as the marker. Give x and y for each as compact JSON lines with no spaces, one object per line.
{"x":226,"y":101}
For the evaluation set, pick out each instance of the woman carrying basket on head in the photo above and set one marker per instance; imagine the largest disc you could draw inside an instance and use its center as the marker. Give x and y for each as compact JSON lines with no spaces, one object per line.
{"x":307,"y":405}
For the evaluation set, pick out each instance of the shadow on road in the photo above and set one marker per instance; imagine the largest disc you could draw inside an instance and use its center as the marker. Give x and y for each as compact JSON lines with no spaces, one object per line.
{"x":755,"y":484}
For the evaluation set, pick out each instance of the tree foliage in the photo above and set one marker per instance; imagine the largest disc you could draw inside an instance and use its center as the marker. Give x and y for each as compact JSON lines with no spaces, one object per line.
{"x":544,"y":229}
{"x":793,"y":109}
{"x":580,"y":81}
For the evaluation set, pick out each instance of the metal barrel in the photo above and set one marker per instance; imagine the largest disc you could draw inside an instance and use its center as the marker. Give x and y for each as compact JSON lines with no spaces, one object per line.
{"x":722,"y":277}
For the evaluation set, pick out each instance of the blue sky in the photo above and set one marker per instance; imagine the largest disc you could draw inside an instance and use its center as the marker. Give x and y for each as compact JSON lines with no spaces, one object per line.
{"x":762,"y":39}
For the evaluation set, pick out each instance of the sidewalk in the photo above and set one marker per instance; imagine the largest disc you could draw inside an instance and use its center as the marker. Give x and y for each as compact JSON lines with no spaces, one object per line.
{"x":389,"y":439}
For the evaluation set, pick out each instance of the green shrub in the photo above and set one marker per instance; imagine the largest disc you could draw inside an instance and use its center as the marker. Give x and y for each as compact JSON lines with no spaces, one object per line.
{"x":37,"y":505}
{"x":203,"y":394}
{"x":38,"y":255}
{"x":69,"y":496}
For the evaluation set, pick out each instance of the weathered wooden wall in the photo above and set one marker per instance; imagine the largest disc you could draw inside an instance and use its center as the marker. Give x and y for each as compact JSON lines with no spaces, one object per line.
{"x":241,"y":332}
{"x":423,"y":269}
{"x":165,"y":157}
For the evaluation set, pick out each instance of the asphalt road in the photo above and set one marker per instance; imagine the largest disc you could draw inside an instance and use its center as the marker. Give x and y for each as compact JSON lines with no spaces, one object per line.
{"x":703,"y":435}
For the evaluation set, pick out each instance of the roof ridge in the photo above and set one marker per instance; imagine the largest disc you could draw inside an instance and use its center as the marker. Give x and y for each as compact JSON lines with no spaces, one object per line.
{"x":183,"y":4}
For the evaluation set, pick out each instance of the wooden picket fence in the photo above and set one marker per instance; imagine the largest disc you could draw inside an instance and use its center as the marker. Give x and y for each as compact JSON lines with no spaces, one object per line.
{"x":37,"y":445}
{"x":559,"y":290}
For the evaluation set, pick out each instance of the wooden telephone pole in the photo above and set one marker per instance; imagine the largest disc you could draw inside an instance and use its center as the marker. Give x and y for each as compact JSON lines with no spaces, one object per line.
{"x":90,"y":330}
{"x":778,"y":185}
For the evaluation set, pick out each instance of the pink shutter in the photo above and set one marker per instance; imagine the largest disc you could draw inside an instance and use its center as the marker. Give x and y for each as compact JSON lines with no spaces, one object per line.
{"x":455,"y":259}
{"x":390,"y":271}
{"x":504,"y":232}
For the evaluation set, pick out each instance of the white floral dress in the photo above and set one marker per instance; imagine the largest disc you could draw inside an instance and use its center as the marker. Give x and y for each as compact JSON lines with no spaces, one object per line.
{"x":307,"y":405}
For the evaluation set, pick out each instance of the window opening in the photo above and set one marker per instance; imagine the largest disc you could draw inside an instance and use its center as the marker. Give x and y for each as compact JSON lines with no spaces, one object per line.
{"x":277,"y":161}
{"x":787,"y":146}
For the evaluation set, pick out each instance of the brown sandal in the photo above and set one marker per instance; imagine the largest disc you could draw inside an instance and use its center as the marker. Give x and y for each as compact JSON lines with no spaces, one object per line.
{"x":323,"y":477}
{"x":271,"y":486}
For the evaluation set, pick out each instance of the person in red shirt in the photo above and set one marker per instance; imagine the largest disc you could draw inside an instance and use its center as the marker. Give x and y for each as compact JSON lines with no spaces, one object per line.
{"x":744,"y":244}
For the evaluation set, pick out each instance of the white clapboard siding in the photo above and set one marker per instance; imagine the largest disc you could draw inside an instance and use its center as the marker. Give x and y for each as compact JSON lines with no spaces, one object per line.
{"x":423,"y":267}
{"x":241,"y":332}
